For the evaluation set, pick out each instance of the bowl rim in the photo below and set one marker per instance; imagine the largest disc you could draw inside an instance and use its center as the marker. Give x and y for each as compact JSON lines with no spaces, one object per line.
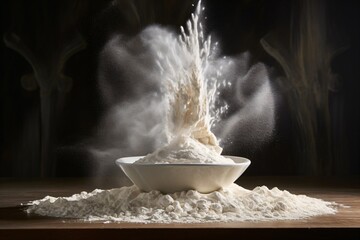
{"x":120,"y":162}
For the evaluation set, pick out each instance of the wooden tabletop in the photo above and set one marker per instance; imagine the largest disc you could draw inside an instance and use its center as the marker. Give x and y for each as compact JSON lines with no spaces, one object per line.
{"x":16,"y":224}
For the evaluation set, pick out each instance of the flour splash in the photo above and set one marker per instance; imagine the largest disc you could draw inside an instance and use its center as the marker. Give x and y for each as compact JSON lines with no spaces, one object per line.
{"x":190,"y":96}
{"x":217,"y":95}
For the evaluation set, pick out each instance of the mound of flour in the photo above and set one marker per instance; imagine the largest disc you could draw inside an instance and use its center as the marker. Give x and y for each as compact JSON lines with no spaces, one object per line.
{"x":129,"y":204}
{"x":185,"y":150}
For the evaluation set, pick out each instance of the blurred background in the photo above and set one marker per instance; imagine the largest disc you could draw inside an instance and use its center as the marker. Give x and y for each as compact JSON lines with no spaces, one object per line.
{"x":52,"y":106}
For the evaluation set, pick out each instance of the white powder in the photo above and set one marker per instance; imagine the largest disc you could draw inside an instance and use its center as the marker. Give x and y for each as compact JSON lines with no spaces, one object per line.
{"x":129,"y":204}
{"x":185,"y":150}
{"x":191,"y":101}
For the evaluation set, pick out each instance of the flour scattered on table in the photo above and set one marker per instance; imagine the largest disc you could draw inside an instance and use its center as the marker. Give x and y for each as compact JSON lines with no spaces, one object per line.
{"x":129,"y":204}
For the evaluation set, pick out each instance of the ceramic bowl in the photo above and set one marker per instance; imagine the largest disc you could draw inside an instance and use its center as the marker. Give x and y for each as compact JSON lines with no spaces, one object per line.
{"x":170,"y":178}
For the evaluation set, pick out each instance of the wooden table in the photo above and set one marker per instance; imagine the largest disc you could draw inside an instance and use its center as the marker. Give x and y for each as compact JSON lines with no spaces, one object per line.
{"x":16,"y":224}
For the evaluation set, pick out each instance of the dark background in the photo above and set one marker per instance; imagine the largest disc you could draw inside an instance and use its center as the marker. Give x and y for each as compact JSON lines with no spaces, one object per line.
{"x":47,"y":118}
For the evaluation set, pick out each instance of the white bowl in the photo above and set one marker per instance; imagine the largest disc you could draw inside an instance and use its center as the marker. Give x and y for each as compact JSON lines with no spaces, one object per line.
{"x":170,"y":178}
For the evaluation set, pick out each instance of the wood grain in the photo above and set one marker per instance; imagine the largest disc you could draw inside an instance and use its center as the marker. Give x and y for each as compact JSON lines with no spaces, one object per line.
{"x":15,"y":223}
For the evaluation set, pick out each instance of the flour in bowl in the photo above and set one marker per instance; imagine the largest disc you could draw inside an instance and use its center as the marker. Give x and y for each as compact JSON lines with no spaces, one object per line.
{"x":185,"y":150}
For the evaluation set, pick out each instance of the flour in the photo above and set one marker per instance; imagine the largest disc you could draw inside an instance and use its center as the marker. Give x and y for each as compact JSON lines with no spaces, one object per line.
{"x":129,"y":204}
{"x":185,"y":150}
{"x":190,"y":97}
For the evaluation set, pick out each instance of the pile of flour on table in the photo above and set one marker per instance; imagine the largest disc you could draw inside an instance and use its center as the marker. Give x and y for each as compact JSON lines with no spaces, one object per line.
{"x":129,"y":204}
